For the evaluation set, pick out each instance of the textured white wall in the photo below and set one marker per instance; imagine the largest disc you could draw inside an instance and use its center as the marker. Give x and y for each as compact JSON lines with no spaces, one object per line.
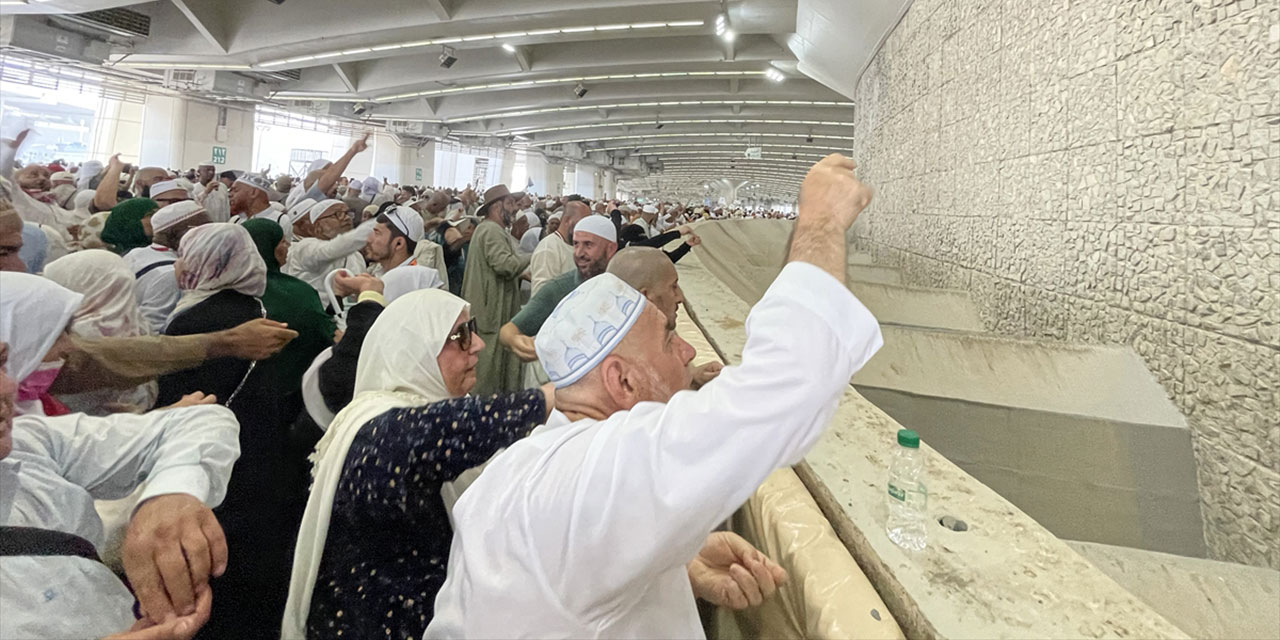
{"x":1100,"y":171}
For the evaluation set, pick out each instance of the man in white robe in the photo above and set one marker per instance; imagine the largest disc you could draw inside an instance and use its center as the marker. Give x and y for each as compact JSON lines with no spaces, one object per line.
{"x":554,"y":254}
{"x":584,"y":528}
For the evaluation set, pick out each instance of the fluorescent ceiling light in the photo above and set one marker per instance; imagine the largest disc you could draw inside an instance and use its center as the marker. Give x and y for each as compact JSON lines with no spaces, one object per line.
{"x":12,"y":3}
{"x":471,"y":38}
{"x":735,"y":134}
{"x":628,"y":105}
{"x":575,"y":80}
{"x":728,"y":35}
{"x":508,"y":47}
{"x":630,"y":123}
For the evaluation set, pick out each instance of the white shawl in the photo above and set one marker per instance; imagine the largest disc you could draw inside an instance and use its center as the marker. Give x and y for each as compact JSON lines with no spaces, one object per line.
{"x":397,"y":368}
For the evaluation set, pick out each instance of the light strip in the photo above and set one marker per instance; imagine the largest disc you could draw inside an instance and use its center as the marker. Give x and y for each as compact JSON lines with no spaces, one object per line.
{"x":706,"y":144}
{"x":177,"y":65}
{"x":694,"y":135}
{"x":636,"y":123}
{"x":480,"y":36}
{"x":629,"y":105}
{"x":551,"y":81}
{"x":727,"y":154}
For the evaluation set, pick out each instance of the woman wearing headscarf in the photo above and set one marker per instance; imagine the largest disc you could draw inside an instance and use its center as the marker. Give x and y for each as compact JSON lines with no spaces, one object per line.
{"x":109,"y":309}
{"x":126,"y":228}
{"x":293,"y":302}
{"x":222,"y":277}
{"x":35,"y":314}
{"x":325,"y":243}
{"x":374,"y":543}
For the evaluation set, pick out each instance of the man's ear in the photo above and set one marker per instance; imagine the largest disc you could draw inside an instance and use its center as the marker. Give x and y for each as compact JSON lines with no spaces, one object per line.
{"x":614,"y":377}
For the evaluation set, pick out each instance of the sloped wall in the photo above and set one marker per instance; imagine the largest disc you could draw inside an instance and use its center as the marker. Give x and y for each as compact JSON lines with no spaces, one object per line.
{"x":1099,"y":171}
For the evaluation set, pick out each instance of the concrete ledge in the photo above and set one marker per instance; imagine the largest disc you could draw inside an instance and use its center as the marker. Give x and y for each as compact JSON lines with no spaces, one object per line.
{"x":1007,"y":577}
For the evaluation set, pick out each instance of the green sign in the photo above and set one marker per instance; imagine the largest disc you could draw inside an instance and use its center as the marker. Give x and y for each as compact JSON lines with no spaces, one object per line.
{"x":418,"y":174}
{"x":219,"y":155}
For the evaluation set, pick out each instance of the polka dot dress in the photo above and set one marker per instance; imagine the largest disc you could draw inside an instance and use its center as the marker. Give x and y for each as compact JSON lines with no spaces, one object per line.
{"x":389,"y":535}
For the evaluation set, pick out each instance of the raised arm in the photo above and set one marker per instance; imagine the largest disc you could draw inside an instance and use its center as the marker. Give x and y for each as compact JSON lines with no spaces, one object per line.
{"x":335,"y":170}
{"x":687,"y":465}
{"x":104,"y":196}
{"x":322,"y":253}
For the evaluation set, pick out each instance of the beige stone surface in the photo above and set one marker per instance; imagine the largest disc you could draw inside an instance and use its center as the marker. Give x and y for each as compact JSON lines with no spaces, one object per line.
{"x":1007,"y":577}
{"x":1206,"y":598}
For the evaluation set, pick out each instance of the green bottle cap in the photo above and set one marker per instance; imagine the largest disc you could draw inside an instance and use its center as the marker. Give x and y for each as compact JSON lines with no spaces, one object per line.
{"x":908,"y":438}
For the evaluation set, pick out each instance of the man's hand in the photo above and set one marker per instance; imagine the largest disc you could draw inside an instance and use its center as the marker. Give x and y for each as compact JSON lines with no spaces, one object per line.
{"x":193,"y":399}
{"x":361,"y":144}
{"x":705,"y":373}
{"x":173,"y":544}
{"x":685,"y":230}
{"x":16,"y":142}
{"x":345,"y":284}
{"x":693,"y":240}
{"x":831,"y":191}
{"x":114,"y":164}
{"x":178,"y":628}
{"x":254,"y":340}
{"x":522,"y":346}
{"x":729,"y":572}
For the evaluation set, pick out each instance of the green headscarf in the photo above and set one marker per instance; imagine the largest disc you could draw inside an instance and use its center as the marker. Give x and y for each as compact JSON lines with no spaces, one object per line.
{"x":266,"y":235}
{"x":123,"y":229}
{"x":292,"y":301}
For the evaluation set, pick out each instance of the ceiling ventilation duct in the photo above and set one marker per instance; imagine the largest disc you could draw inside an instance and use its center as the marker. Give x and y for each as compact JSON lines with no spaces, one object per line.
{"x":119,"y":22}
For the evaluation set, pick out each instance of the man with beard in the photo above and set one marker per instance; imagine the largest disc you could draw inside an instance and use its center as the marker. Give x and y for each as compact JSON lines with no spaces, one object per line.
{"x":594,"y":243}
{"x":492,"y":285}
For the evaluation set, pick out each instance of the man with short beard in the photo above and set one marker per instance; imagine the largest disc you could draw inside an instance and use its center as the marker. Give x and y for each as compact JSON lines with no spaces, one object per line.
{"x":492,"y":285}
{"x":616,"y":494}
{"x":594,"y":243}
{"x":554,"y":254}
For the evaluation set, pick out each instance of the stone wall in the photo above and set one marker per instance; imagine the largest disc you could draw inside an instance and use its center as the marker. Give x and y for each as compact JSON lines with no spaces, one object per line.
{"x":1102,"y":171}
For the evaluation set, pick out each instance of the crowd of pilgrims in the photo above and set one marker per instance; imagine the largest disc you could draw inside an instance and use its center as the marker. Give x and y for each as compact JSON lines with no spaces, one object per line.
{"x":237,"y":407}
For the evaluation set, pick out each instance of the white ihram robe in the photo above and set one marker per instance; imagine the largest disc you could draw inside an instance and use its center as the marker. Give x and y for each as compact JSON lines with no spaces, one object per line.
{"x":583,"y":529}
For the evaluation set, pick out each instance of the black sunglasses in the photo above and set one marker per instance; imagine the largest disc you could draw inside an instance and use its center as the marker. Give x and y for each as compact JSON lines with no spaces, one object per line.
{"x":463,"y":335}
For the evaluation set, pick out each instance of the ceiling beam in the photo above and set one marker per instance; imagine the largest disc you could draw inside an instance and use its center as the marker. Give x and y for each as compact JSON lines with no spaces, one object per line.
{"x":442,"y":8}
{"x":207,"y":19}
{"x":347,"y":74}
{"x":523,"y":59}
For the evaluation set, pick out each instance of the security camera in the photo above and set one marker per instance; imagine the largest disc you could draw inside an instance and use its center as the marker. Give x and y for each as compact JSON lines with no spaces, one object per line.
{"x":447,"y":58}
{"x":579,"y":90}
{"x":359,"y":108}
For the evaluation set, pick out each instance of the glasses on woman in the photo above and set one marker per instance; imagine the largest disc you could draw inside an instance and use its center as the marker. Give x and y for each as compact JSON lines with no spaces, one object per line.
{"x":463,"y":335}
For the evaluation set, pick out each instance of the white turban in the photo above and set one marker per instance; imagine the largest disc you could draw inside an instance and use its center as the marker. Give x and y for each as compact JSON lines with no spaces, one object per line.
{"x":598,"y":225}
{"x":586,"y":326}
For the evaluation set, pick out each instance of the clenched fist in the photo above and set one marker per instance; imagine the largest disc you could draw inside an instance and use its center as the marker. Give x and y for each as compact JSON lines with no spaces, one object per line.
{"x":831,"y":191}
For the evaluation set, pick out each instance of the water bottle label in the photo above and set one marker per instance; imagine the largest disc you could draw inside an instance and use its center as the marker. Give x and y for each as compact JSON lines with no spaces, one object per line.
{"x":898,"y":494}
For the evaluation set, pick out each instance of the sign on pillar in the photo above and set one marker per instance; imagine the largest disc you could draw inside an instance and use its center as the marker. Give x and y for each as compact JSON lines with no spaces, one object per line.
{"x":219,"y":155}
{"x":417,"y":174}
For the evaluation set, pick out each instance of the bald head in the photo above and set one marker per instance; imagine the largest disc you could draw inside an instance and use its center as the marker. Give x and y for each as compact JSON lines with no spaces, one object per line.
{"x":649,"y":271}
{"x":146,"y":177}
{"x":573,"y":212}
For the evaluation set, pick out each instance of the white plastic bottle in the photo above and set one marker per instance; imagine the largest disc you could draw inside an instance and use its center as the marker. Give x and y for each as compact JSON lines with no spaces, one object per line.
{"x":908,"y":496}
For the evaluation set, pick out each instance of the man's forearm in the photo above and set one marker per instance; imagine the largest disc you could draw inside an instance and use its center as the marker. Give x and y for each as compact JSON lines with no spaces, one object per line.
{"x":820,"y":243}
{"x":104,"y":197}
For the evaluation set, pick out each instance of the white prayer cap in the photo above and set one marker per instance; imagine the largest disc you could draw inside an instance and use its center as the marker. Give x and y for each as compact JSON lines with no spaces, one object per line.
{"x":648,"y":208}
{"x":586,"y":326}
{"x":406,"y":221}
{"x":63,"y":176}
{"x":256,"y":181}
{"x":170,"y":215}
{"x":319,"y":208}
{"x":532,"y":219}
{"x":165,"y":186}
{"x":301,"y":207}
{"x":598,"y":225}
{"x":556,"y":216}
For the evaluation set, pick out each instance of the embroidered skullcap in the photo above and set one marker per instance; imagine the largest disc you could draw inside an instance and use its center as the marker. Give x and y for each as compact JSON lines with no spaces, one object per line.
{"x":256,"y":181}
{"x":586,"y":327}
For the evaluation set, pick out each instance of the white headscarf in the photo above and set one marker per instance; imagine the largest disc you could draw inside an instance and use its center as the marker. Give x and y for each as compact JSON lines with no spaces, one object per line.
{"x":407,"y":278}
{"x":214,"y":257}
{"x":109,"y":309}
{"x":397,"y":368}
{"x":33,"y":313}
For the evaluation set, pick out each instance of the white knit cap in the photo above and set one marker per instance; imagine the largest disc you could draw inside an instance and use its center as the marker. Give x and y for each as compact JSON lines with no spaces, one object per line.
{"x":598,"y":225}
{"x":586,"y":326}
{"x":172,"y":214}
{"x":406,"y":221}
{"x":648,"y":208}
{"x":167,"y":185}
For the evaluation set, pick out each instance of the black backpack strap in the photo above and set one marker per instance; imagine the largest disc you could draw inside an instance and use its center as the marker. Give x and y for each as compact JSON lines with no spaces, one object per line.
{"x":33,"y":541}
{"x":152,"y":267}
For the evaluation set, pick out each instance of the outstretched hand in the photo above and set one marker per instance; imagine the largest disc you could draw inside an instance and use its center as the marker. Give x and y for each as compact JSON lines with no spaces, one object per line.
{"x":173,"y":545}
{"x":729,"y":572}
{"x":17,"y":141}
{"x":193,"y":399}
{"x":176,"y":628}
{"x":257,"y":339}
{"x":832,"y":191}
